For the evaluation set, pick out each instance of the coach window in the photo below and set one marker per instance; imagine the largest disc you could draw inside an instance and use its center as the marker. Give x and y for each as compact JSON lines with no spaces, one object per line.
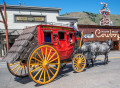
{"x":70,"y":37}
{"x":47,"y":37}
{"x":61,"y":35}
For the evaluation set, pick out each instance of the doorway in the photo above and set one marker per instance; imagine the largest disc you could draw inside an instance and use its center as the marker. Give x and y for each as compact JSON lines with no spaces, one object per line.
{"x":115,"y":45}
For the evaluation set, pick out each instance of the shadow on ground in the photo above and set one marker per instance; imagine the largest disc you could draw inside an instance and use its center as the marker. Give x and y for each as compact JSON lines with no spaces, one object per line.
{"x":98,"y":63}
{"x":62,"y":73}
{"x":24,"y":80}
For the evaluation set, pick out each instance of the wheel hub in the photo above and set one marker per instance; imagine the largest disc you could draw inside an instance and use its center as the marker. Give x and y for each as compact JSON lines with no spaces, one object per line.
{"x":45,"y":64}
{"x":79,"y":62}
{"x":23,"y":64}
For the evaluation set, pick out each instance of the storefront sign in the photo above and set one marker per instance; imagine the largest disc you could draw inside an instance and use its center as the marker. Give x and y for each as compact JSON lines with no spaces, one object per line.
{"x":107,"y":34}
{"x":29,"y":18}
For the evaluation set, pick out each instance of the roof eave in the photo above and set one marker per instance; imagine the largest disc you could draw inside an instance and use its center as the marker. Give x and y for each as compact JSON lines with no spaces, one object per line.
{"x":29,"y":7}
{"x":67,"y":18}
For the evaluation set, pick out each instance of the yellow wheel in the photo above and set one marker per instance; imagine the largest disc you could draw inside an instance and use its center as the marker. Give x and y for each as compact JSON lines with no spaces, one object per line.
{"x":18,"y":68}
{"x":43,"y":64}
{"x":79,"y":63}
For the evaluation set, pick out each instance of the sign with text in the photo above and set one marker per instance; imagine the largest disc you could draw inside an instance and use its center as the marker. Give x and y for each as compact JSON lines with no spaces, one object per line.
{"x":107,"y":34}
{"x":29,"y":18}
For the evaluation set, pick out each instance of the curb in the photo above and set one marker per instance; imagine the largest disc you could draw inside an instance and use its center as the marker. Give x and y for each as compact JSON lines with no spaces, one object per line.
{"x":1,"y":58}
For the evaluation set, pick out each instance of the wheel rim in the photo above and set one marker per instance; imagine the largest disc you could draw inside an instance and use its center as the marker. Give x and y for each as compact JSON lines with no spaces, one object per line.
{"x":79,"y":63}
{"x":46,"y":62}
{"x":18,"y":69}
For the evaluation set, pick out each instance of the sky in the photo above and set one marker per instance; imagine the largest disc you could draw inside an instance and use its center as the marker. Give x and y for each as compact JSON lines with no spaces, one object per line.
{"x":68,"y":6}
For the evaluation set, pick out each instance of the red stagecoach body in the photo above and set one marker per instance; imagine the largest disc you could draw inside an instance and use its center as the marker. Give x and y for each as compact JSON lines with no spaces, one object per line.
{"x":58,"y":37}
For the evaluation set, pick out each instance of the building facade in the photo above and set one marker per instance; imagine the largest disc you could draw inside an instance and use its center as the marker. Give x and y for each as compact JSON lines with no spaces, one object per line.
{"x":101,"y":33}
{"x":20,"y":17}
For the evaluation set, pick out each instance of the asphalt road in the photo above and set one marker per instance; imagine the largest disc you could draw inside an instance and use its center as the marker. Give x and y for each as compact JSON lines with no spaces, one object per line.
{"x":100,"y":76}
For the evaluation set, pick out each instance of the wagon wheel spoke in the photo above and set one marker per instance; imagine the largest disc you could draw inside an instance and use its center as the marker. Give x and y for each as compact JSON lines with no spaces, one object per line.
{"x":41,"y":75}
{"x":50,"y":71}
{"x":53,"y":64}
{"x":53,"y":60}
{"x":25,"y":70}
{"x":42,"y":53}
{"x":46,"y":54}
{"x":36,"y":69}
{"x":21,"y":70}
{"x":37,"y":59}
{"x":46,"y":64}
{"x":53,"y":68}
{"x":49,"y":53}
{"x":18,"y":69}
{"x":79,"y":63}
{"x":39,"y":56}
{"x":15,"y":67}
{"x":14,"y":63}
{"x":44,"y":74}
{"x":48,"y":74}
{"x":76,"y":67}
{"x":37,"y":73}
{"x":51,"y":56}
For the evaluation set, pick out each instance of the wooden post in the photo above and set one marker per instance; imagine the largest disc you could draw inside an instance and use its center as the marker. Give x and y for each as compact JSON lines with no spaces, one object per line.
{"x":6,"y":27}
{"x":4,"y":17}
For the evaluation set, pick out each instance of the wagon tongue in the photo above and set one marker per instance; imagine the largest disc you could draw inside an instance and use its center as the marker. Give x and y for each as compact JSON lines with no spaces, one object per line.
{"x":22,"y":46}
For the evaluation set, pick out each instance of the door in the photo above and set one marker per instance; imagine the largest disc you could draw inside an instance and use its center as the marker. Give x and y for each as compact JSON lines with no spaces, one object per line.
{"x":62,"y":44}
{"x":70,"y":44}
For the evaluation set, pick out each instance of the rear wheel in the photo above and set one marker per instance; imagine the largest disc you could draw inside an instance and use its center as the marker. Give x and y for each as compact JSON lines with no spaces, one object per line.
{"x":43,"y":64}
{"x":18,"y":68}
{"x":79,"y":63}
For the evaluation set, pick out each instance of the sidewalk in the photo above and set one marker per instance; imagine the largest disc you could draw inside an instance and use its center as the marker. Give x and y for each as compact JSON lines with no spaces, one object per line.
{"x":1,"y":59}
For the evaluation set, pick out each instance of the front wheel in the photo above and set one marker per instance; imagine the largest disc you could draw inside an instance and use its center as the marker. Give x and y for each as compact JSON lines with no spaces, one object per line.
{"x":78,"y":63}
{"x":43,"y":64}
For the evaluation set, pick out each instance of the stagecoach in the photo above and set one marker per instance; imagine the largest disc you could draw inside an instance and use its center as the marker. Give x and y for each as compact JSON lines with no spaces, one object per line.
{"x":41,"y":50}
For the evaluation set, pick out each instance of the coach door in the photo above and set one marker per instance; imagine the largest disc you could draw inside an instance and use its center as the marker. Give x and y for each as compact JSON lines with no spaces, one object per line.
{"x":62,"y":44}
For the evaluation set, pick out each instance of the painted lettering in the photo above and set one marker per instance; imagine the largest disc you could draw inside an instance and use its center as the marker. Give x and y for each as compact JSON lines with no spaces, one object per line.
{"x":107,"y":34}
